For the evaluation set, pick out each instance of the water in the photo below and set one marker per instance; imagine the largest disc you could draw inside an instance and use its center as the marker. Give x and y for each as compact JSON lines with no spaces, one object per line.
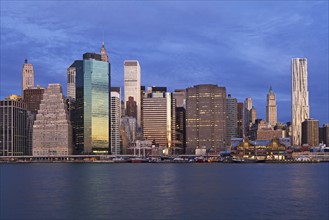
{"x":164,"y":191}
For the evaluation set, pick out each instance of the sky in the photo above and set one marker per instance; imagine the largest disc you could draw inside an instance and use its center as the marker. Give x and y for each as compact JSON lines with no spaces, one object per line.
{"x":246,"y":46}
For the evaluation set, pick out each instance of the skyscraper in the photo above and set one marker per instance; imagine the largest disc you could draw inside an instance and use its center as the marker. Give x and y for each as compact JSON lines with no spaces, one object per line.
{"x":246,"y":115}
{"x":310,"y":132}
{"x":324,"y":134}
{"x":299,"y":97}
{"x":115,"y":120}
{"x":93,"y":104}
{"x":13,"y":128}
{"x":231,"y":119}
{"x":240,"y":119}
{"x":159,"y":118}
{"x":103,"y":53}
{"x":131,"y":107}
{"x":71,"y":77}
{"x":52,"y":131}
{"x":180,"y":96}
{"x":205,"y":117}
{"x":27,"y":76}
{"x":32,"y":98}
{"x":253,"y":115}
{"x":271,"y":109}
{"x":132,"y":85}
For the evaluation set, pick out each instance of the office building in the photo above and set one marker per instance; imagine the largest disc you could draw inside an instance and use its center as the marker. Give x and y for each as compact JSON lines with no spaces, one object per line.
{"x":52,"y":131}
{"x":246,"y":115}
{"x":93,"y":104}
{"x":261,"y":130}
{"x":240,"y":119}
{"x":299,"y":104}
{"x":252,"y":115}
{"x":271,"y":109}
{"x":324,"y":134}
{"x":205,"y":118}
{"x":180,"y":139}
{"x":13,"y":128}
{"x":159,"y":118}
{"x":115,"y":120}
{"x":310,"y":132}
{"x":132,"y":85}
{"x":231,"y":119}
{"x":143,"y":95}
{"x":71,"y":81}
{"x":27,"y":76}
{"x":32,"y":98}
{"x":131,"y":107}
{"x":180,"y":96}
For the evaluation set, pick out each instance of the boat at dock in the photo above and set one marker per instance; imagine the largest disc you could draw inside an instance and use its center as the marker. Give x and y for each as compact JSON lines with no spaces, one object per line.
{"x":139,"y":160}
{"x":248,"y":160}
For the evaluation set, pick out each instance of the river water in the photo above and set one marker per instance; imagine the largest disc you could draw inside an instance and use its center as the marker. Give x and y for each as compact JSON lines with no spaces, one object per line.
{"x":164,"y":191}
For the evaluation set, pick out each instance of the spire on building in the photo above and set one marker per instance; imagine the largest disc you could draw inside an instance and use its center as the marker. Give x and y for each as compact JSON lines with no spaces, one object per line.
{"x":271,"y":90}
{"x":103,"y":53}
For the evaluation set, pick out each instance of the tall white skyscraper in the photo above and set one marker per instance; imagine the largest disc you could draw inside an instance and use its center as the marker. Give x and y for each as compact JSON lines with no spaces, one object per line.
{"x":115,"y":120}
{"x":271,"y":109}
{"x":299,"y":96}
{"x":27,"y":76}
{"x":132,"y":85}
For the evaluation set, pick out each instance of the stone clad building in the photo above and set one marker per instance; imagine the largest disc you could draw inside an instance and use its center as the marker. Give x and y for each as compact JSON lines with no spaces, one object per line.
{"x":52,"y":131}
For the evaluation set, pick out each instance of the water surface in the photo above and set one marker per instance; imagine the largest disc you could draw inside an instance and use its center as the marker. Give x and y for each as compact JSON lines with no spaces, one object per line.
{"x":164,"y":191}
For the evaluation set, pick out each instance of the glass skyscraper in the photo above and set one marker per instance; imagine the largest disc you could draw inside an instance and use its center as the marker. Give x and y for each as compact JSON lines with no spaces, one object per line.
{"x":92,"y":104}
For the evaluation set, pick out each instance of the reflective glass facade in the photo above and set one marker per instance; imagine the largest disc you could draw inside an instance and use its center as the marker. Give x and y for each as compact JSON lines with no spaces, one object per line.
{"x":93,"y":106}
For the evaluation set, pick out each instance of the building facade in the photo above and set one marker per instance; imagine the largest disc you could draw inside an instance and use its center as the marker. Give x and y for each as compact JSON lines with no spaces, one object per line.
{"x":299,"y":96}
{"x":159,"y":119}
{"x":115,"y":121}
{"x":324,"y":134}
{"x":271,"y":108}
{"x":231,"y":119}
{"x":205,"y":117}
{"x":27,"y":76}
{"x":262,"y":130}
{"x":71,"y":84}
{"x":93,"y":104}
{"x":180,"y":97}
{"x":246,"y":115}
{"x":240,"y":119}
{"x":13,"y":128}
{"x":52,"y":131}
{"x":132,"y":85}
{"x":180,"y":131}
{"x":131,"y":107}
{"x":32,"y":98}
{"x":310,"y":132}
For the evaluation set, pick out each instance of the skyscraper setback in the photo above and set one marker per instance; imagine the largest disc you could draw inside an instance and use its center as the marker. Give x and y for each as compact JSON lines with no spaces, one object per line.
{"x":271,"y":109}
{"x":299,"y":98}
{"x":132,"y":85}
{"x":27,"y":76}
{"x":52,"y":131}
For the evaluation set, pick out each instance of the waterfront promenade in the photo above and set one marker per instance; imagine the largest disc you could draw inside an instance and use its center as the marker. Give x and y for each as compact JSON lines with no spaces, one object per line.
{"x":296,"y":158}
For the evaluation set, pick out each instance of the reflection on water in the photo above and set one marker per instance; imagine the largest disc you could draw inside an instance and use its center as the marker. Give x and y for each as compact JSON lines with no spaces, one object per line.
{"x":166,"y":191}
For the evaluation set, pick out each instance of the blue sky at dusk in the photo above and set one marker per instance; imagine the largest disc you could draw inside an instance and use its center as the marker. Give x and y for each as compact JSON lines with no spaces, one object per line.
{"x":245,"y":46}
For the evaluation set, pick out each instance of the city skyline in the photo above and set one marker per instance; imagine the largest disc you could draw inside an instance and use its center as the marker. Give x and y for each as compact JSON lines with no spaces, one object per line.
{"x":190,"y":45}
